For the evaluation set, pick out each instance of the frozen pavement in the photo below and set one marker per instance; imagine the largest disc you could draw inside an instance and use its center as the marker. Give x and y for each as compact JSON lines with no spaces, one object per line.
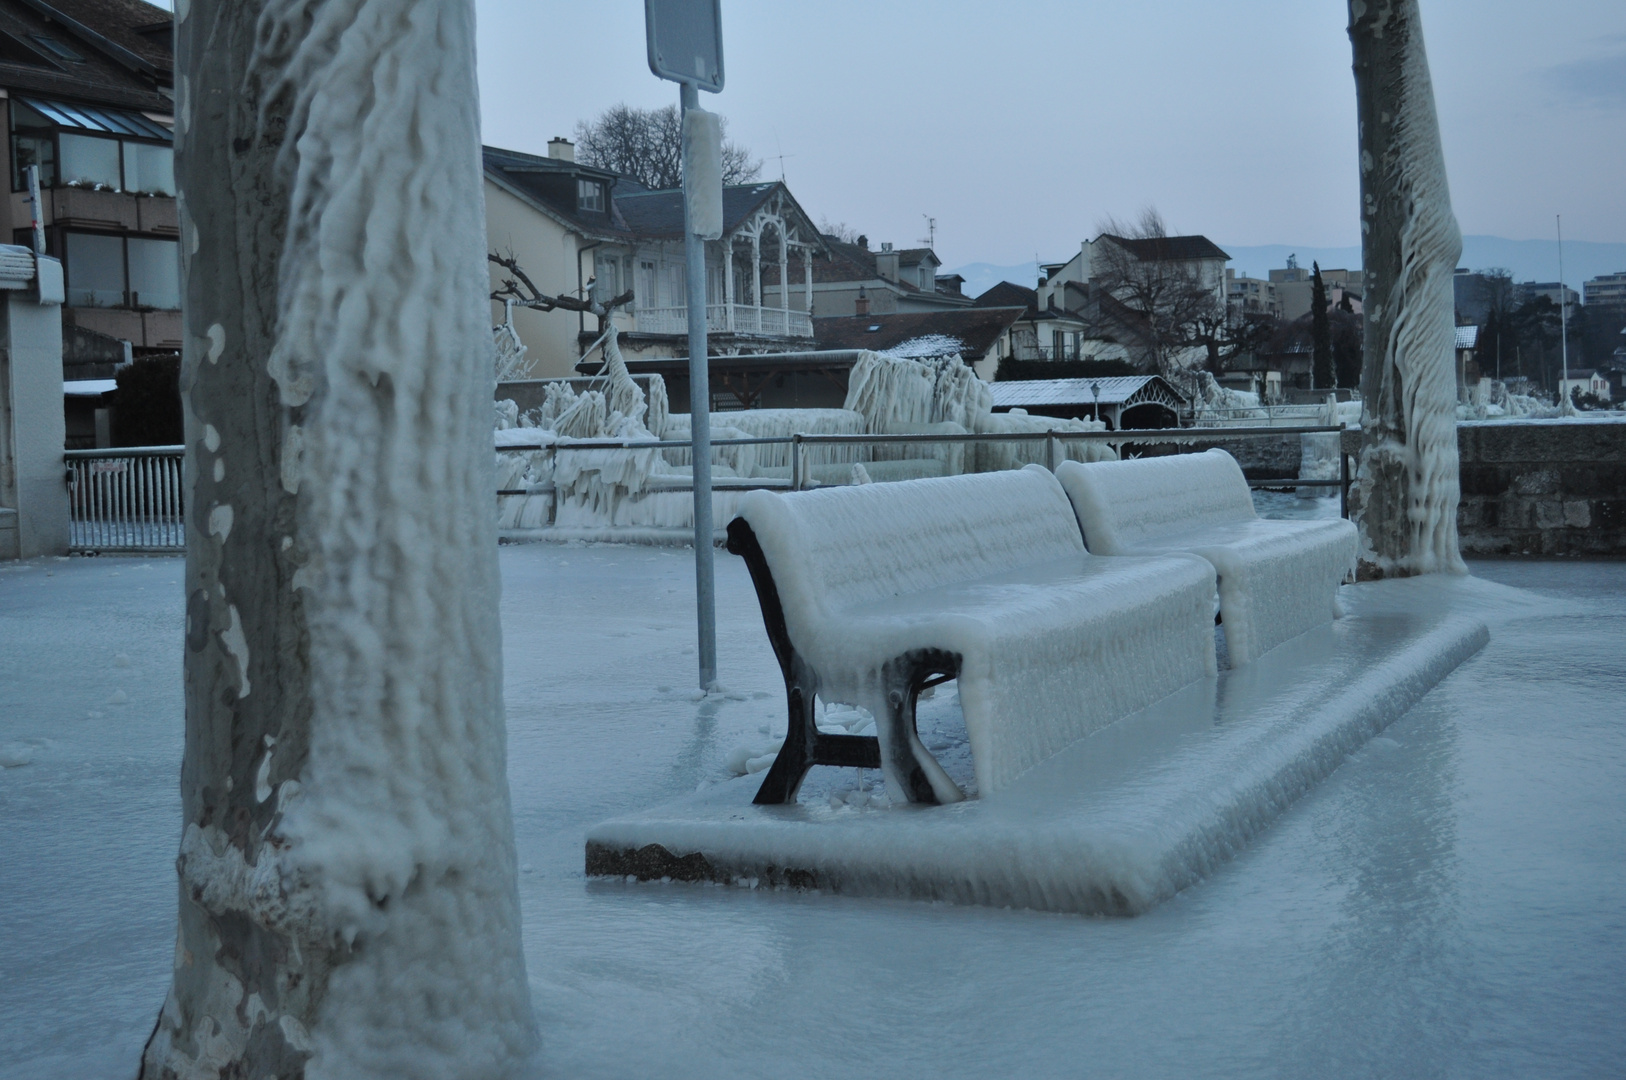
{"x":1446,"y":903}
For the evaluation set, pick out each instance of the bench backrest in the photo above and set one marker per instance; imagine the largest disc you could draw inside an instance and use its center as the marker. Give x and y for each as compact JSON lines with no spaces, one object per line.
{"x":839,"y":547}
{"x":1122,"y":503}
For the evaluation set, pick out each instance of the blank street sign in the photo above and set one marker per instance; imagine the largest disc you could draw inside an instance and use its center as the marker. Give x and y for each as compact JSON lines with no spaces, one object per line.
{"x":686,"y":41}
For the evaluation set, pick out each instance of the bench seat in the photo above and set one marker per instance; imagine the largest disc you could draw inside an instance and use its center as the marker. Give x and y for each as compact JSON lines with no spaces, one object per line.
{"x":870,"y":592}
{"x":1276,"y":579}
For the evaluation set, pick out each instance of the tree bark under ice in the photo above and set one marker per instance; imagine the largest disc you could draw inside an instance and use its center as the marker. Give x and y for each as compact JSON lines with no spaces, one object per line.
{"x":1406,"y":492}
{"x":348,"y":899}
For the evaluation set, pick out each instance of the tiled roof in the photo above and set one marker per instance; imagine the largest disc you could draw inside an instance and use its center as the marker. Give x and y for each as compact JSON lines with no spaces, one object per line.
{"x":549,"y":182}
{"x":659,"y":214}
{"x":977,"y":328}
{"x":1169,"y":248}
{"x":1007,"y":294}
{"x":118,"y":63}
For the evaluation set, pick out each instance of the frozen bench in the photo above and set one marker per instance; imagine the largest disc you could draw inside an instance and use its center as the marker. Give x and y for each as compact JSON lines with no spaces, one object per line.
{"x":873,"y":592}
{"x":1277,"y":579}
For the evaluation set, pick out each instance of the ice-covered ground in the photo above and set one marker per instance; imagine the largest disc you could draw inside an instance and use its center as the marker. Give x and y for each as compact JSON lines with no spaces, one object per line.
{"x":1446,"y":904}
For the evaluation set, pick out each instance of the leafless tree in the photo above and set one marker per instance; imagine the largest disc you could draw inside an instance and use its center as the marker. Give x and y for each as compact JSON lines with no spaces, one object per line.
{"x":647,"y":145}
{"x":840,"y":230}
{"x":1180,"y":310}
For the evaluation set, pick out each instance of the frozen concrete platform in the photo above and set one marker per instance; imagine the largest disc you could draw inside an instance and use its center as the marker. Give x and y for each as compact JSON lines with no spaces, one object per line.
{"x":1119,"y":821}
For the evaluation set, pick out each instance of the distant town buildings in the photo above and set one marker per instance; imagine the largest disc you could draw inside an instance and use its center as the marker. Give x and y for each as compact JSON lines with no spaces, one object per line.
{"x":1606,"y":290}
{"x":1294,"y":287}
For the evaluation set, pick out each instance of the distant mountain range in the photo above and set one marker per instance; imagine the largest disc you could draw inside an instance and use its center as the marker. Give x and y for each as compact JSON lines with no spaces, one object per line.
{"x":1529,"y":260}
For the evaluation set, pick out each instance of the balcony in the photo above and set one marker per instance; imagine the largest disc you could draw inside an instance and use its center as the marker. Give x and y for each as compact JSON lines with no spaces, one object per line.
{"x":728,"y":319}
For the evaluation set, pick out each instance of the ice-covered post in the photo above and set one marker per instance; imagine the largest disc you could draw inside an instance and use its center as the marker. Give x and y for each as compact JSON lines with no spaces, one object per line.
{"x":685,"y":41}
{"x":348,"y":901}
{"x":1406,"y":493}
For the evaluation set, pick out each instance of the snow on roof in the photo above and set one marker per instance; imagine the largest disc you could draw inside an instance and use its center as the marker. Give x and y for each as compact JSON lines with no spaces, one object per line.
{"x":88,"y":387}
{"x":926,"y":346}
{"x":1025,"y":392}
{"x":1467,"y":337}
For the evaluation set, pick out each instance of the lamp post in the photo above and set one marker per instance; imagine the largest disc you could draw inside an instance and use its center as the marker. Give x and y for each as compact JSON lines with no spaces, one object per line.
{"x":1095,"y":390}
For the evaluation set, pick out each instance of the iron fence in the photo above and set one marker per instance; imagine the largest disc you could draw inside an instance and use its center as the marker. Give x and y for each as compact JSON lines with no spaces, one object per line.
{"x":125,"y":500}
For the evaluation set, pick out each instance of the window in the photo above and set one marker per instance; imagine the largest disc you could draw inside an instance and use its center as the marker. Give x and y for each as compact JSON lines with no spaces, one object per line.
{"x":644,"y":291}
{"x":57,"y":49}
{"x":110,"y":271}
{"x":155,"y":273}
{"x":95,"y":267}
{"x":81,"y":146}
{"x":33,"y":142}
{"x":590,"y":196}
{"x":606,"y":277}
{"x":88,"y":161}
{"x":149,"y":168}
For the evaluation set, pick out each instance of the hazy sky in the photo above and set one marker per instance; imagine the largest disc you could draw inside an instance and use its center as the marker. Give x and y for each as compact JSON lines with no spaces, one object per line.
{"x":1019,"y":126}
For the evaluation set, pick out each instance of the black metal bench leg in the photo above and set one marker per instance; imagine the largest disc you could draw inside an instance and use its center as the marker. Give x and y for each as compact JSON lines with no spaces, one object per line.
{"x":908,"y":766}
{"x":789,"y":769}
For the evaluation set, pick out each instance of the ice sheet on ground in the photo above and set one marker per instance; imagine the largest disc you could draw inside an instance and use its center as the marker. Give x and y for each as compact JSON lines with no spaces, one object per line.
{"x":1443,"y":904}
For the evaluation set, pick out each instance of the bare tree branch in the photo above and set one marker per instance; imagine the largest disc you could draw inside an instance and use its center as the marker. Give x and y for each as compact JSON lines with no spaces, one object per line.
{"x":521,"y":291}
{"x":647,"y":146}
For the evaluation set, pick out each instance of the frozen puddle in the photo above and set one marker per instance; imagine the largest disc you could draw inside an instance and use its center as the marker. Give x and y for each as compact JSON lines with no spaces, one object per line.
{"x":1119,"y":821}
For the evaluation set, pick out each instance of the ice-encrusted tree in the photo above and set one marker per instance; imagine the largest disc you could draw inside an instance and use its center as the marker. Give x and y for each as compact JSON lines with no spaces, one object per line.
{"x":1406,"y":493}
{"x":348,"y":905}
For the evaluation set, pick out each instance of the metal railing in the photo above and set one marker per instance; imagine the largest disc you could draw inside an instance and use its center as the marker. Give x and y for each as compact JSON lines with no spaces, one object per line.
{"x":125,"y":500}
{"x":132,"y":499}
{"x":725,"y":318}
{"x":1052,"y":438}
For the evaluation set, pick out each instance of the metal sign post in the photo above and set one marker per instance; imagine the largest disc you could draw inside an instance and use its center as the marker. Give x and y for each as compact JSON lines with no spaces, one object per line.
{"x":685,"y":40}
{"x":37,"y":225}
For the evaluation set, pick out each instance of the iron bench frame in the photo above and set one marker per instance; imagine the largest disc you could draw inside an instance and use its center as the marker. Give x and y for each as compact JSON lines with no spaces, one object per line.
{"x":903,"y":677}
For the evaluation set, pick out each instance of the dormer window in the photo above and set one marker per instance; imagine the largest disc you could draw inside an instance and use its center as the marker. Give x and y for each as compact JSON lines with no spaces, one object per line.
{"x":590,"y":196}
{"x":57,"y":49}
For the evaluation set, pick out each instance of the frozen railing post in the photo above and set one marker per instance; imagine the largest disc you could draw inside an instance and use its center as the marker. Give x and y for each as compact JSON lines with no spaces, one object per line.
{"x":1406,"y":492}
{"x":685,"y":39}
{"x":348,"y":901}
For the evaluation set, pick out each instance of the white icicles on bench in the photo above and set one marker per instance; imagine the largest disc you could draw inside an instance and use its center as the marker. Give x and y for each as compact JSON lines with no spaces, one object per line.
{"x":870,"y":592}
{"x":1277,"y":579}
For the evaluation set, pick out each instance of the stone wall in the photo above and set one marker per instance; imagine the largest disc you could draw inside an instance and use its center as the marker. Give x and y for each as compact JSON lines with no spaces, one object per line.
{"x":1550,"y":488}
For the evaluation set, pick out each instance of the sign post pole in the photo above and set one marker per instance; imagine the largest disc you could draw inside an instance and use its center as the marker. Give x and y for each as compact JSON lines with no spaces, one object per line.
{"x":705,"y":582}
{"x":685,"y":39}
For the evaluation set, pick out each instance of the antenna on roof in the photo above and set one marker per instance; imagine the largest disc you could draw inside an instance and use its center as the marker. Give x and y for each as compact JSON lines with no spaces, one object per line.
{"x":930,"y":239}
{"x":781,"y":156}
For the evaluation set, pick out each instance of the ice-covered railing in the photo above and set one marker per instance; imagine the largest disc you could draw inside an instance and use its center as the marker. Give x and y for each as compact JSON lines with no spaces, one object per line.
{"x":608,"y":458}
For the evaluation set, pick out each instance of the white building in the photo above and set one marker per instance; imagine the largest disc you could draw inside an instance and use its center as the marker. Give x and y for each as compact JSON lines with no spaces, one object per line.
{"x":570,"y":226}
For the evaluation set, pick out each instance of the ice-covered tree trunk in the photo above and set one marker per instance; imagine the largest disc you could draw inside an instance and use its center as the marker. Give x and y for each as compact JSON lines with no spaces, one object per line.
{"x":348,"y":905}
{"x":1406,"y":493}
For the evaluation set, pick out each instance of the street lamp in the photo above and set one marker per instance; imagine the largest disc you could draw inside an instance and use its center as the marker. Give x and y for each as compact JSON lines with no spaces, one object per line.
{"x":1095,"y":389}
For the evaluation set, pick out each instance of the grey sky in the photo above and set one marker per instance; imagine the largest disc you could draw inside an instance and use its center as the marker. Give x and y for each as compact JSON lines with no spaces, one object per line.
{"x":1020,"y":125}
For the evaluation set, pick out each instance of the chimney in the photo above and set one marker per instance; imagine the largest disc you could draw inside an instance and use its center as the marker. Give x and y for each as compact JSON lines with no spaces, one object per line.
{"x":861,"y":305}
{"x":561,"y":149}
{"x":886,"y":263}
{"x":863,"y":242}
